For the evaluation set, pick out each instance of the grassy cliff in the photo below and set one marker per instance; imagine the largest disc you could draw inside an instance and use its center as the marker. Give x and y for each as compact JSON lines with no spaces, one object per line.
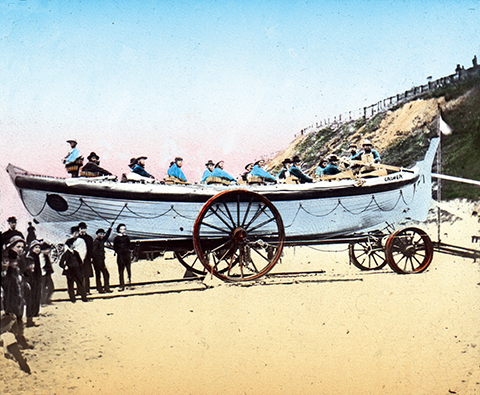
{"x":402,"y":135}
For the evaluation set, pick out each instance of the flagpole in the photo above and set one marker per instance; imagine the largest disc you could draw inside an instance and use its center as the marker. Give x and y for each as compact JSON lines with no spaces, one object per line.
{"x":439,"y":170}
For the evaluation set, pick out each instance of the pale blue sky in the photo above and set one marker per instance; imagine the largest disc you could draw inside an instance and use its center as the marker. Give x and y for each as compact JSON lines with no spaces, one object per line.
{"x":229,"y":80}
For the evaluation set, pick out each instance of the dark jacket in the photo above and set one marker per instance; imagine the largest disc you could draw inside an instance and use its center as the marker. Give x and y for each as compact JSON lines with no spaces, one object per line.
{"x":121,"y":245}
{"x":70,"y":260}
{"x":98,"y":251}
{"x":295,"y":171}
{"x":13,"y":292}
{"x":93,"y":170}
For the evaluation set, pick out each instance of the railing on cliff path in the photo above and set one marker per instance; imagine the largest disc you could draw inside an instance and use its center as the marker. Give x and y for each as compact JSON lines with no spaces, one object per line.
{"x":461,"y":74}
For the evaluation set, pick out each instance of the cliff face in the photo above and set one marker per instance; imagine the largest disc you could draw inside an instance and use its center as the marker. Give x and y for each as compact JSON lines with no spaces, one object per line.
{"x":401,"y":136}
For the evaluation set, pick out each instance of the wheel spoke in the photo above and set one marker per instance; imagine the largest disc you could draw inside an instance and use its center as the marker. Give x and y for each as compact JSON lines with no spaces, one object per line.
{"x":229,"y":214}
{"x":215,"y":227}
{"x":259,"y":212}
{"x":246,"y":212}
{"x":262,"y":224}
{"x":221,"y":219}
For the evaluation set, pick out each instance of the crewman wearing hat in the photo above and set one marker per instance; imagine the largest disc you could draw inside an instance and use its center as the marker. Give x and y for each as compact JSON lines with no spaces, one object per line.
{"x":367,"y":152}
{"x":332,"y":167}
{"x":11,"y":231}
{"x":352,"y":149}
{"x":285,"y":171}
{"x":295,"y":171}
{"x":258,"y":171}
{"x":92,"y":168}
{"x":321,"y":168}
{"x":220,"y":173}
{"x":248,"y":169}
{"x":175,"y":169}
{"x":73,"y":161}
{"x":208,"y":171}
{"x":139,"y":167}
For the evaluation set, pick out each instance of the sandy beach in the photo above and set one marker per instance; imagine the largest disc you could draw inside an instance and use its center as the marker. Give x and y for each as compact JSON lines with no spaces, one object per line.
{"x":336,"y":331}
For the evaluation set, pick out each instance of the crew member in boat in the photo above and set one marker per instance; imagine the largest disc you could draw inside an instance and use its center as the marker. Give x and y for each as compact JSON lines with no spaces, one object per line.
{"x":133,"y":162}
{"x":352,"y":150}
{"x":321,"y":167}
{"x":258,"y":171}
{"x":332,"y":167}
{"x":219,"y":172}
{"x":208,"y":171}
{"x":297,"y":172}
{"x":368,"y":154}
{"x":73,"y":161}
{"x":139,"y":167}
{"x":248,"y":169}
{"x":11,"y":231}
{"x":92,"y":168}
{"x":285,"y":170}
{"x":175,"y":170}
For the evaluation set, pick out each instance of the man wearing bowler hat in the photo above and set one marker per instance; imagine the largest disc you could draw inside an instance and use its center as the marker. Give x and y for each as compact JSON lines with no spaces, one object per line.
{"x":92,"y":168}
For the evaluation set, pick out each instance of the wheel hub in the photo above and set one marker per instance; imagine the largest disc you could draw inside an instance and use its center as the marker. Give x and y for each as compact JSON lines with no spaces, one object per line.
{"x":239,"y":236}
{"x":409,"y":251}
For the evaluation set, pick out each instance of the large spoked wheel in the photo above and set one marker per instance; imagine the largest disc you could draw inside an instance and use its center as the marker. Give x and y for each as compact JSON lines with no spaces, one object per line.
{"x":409,"y":251}
{"x":238,"y":235}
{"x":369,"y":254}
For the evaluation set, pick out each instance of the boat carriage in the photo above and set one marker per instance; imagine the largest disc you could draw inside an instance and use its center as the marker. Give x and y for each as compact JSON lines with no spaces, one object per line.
{"x":238,"y":232}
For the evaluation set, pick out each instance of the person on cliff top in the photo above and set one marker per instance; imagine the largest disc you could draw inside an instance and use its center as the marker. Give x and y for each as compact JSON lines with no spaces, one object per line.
{"x":92,"y":168}
{"x":208,"y":171}
{"x":220,"y":173}
{"x":368,"y":154}
{"x":73,"y":161}
{"x":296,"y":172}
{"x":175,"y":169}
{"x":258,"y":171}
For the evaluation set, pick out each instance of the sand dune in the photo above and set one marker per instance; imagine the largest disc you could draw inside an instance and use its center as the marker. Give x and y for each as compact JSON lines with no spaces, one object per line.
{"x":342,"y":331}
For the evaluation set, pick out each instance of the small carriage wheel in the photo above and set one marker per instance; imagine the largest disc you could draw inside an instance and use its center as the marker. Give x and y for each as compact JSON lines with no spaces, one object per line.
{"x":190,"y":261}
{"x":368,"y":255}
{"x":409,"y":251}
{"x":238,"y":235}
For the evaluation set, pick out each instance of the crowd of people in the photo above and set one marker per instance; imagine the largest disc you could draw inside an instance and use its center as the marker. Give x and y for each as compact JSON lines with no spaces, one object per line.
{"x":216,"y":173}
{"x":27,"y":270}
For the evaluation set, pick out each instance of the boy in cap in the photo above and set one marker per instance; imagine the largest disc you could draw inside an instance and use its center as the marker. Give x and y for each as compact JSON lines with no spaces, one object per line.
{"x":47,"y":271}
{"x":33,"y":276}
{"x":13,"y":295}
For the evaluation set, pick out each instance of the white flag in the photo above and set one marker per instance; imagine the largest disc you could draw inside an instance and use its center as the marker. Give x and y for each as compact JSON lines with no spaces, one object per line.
{"x":444,"y":128}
